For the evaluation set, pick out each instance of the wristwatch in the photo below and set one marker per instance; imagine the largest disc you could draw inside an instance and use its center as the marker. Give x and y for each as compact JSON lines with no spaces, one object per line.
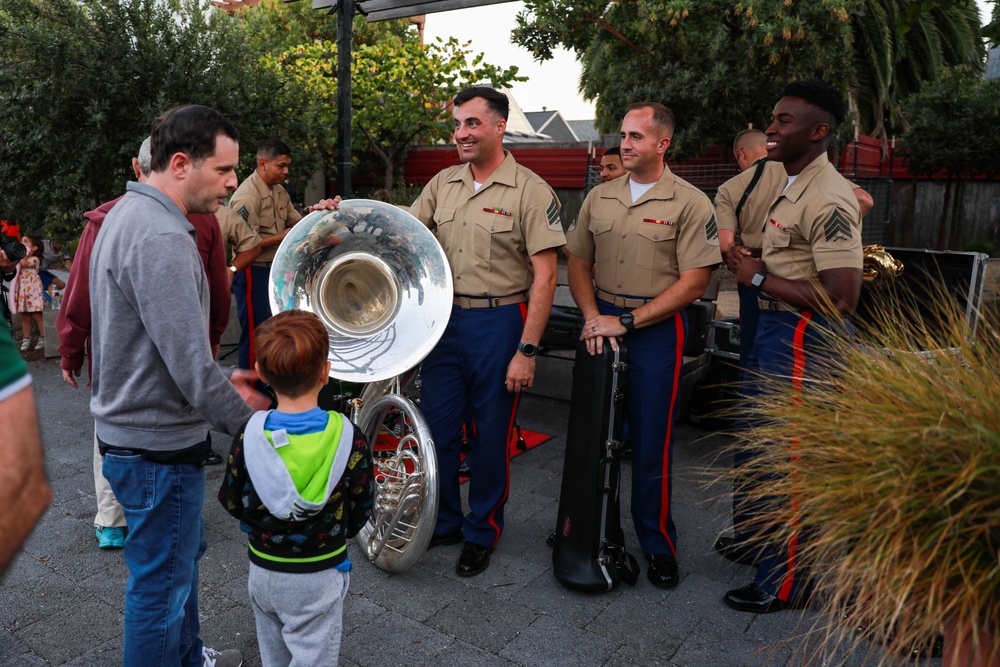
{"x":527,"y":349}
{"x":627,"y":321}
{"x":758,"y":279}
{"x":232,"y":268}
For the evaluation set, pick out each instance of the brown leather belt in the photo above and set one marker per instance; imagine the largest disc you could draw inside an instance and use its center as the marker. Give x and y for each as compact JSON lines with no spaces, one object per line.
{"x":621,"y":301}
{"x":468,"y":302}
{"x":775,"y":306}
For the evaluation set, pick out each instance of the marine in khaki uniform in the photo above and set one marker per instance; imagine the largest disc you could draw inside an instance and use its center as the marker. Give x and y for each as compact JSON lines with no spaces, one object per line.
{"x":240,"y":237}
{"x":650,"y":241}
{"x":809,"y":278}
{"x":499,"y":226}
{"x":264,"y":204}
{"x":741,"y":206}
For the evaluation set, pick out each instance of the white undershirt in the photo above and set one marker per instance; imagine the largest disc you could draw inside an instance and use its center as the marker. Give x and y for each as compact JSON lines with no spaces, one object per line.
{"x":476,"y":185}
{"x":791,"y":179}
{"x":639,"y":189}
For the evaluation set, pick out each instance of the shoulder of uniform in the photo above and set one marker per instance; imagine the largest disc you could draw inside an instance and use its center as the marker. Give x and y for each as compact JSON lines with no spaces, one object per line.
{"x":690,"y":190}
{"x":531,"y":176}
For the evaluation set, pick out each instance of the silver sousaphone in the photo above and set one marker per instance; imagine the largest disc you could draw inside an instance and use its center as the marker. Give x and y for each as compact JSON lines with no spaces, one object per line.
{"x":380,"y":282}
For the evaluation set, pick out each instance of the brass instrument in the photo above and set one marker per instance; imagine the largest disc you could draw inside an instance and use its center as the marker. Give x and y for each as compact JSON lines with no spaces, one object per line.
{"x":880,"y":268}
{"x":380,"y":282}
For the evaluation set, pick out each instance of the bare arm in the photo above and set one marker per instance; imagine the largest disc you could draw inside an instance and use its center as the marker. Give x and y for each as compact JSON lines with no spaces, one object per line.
{"x":242,"y":260}
{"x":521,"y":369}
{"x":726,"y":240}
{"x":24,"y":490}
{"x":865,"y":200}
{"x":838,"y":289}
{"x":580,"y":274}
{"x":689,"y":286}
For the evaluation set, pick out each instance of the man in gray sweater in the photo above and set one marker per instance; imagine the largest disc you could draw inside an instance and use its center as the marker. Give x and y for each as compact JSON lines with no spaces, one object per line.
{"x":155,"y":383}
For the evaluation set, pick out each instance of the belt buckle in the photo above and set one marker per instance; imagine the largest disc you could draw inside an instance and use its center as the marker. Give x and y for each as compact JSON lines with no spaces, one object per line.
{"x":465,"y":302}
{"x":620,"y":301}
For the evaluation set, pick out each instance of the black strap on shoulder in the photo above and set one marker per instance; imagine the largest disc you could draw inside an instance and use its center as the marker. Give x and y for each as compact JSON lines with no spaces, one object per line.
{"x":753,"y":184}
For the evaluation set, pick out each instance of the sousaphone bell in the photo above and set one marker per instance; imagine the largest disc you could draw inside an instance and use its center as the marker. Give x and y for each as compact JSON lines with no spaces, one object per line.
{"x":380,"y":282}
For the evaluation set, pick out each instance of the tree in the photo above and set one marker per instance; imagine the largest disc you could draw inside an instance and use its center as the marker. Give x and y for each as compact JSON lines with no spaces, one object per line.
{"x":718,"y":65}
{"x":81,"y":81}
{"x":899,"y":44}
{"x":403,"y":91}
{"x":400,"y":88}
{"x":952,"y":129}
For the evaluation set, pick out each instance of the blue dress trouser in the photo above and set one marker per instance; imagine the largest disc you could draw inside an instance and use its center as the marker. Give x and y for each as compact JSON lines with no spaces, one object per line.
{"x":655,"y":360}
{"x":789,"y":346}
{"x":252,"y":308}
{"x":465,"y":374}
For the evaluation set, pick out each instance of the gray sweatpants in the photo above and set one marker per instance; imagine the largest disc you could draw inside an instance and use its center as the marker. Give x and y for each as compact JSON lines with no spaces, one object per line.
{"x":299,"y":616}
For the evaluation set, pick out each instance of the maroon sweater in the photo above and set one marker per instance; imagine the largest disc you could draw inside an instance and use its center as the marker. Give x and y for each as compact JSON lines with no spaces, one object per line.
{"x":73,"y":319}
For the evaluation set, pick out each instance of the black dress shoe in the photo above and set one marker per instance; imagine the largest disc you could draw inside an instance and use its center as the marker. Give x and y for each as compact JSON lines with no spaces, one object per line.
{"x":474,"y":559}
{"x":444,"y":540}
{"x":752,"y":598}
{"x":738,"y":552}
{"x":662,"y":571}
{"x":212,"y":458}
{"x":551,"y":539}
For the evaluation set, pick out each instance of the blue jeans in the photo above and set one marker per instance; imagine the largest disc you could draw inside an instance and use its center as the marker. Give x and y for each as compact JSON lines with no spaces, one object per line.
{"x":166,"y":539}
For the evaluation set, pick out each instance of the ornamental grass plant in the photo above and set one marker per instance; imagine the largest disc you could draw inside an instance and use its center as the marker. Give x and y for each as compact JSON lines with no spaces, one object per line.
{"x":888,"y":469}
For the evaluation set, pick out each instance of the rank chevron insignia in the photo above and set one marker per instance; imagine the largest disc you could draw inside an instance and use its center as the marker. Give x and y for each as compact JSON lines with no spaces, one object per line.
{"x":552,"y":213}
{"x":837,"y":228}
{"x":711,"y":229}
{"x":243,"y":213}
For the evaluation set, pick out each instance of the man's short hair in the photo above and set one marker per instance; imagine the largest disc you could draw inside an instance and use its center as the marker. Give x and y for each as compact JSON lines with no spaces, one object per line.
{"x":190,"y":129}
{"x":750,"y":137}
{"x":614,"y":150}
{"x":145,"y":157}
{"x":272,"y":149}
{"x":290,"y":348}
{"x":663,"y":117}
{"x":496,"y":101}
{"x":821,"y":95}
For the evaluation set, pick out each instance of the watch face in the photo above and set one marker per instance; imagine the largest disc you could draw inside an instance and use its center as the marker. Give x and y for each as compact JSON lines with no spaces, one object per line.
{"x":758,"y":279}
{"x":528,"y":349}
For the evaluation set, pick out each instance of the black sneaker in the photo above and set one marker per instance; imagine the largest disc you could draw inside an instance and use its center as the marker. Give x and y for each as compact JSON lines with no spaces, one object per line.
{"x":213,"y":458}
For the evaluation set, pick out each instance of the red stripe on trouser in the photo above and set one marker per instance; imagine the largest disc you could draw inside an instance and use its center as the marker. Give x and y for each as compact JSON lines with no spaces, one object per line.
{"x":506,"y":447}
{"x":665,"y":465}
{"x":798,"y":373}
{"x":250,"y":317}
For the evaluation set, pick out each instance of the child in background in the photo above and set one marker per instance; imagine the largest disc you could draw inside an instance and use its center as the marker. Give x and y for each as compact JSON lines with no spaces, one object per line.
{"x":29,"y":293}
{"x":299,"y":479}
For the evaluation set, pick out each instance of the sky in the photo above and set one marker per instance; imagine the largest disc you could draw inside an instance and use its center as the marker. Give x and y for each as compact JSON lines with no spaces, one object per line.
{"x":552,"y":84}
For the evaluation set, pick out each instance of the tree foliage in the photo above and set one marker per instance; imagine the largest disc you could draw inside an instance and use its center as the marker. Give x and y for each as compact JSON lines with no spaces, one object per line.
{"x":81,"y":81}
{"x":399,"y":88}
{"x":719,"y":65}
{"x":900,"y":44}
{"x":953,"y":126}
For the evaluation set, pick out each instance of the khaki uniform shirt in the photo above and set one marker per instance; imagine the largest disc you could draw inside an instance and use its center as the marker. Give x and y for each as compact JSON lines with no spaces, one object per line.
{"x":814,"y":225}
{"x":489,"y":236}
{"x":236,"y":231}
{"x":749,"y":229}
{"x":268,"y":211}
{"x":639,"y":249}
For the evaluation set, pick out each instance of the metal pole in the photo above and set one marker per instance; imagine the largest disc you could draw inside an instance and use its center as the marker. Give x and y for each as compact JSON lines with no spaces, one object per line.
{"x":345,"y":33}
